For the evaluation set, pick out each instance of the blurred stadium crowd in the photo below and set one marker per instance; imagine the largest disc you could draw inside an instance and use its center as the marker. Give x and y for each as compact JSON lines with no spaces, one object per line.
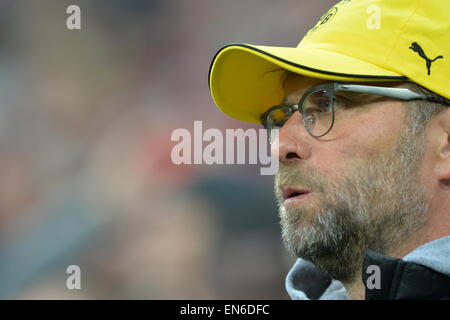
{"x":85,"y":172}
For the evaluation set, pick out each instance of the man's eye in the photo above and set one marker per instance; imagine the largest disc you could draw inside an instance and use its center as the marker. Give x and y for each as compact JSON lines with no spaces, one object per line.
{"x":320,"y":106}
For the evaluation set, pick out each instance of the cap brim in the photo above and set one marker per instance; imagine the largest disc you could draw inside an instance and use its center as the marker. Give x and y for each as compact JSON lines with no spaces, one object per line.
{"x":246,"y":80}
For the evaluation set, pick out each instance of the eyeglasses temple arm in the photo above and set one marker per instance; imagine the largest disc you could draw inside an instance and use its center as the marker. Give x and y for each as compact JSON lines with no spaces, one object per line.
{"x":399,"y":93}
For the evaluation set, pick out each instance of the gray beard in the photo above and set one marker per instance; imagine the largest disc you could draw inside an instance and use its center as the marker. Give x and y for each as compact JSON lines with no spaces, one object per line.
{"x":377,"y":205}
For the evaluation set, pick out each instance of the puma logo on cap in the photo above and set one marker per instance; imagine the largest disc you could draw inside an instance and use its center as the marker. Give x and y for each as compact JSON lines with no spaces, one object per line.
{"x":417,"y":48}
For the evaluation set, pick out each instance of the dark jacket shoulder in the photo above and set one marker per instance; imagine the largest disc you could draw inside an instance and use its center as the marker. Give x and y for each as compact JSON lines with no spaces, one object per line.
{"x":401,"y":280}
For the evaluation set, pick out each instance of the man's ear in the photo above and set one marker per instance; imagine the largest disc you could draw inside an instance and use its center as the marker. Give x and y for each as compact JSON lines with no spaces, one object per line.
{"x":442,"y":167}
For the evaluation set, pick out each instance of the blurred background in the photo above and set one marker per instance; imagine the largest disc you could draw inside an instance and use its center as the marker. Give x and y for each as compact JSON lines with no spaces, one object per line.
{"x":86,"y":176}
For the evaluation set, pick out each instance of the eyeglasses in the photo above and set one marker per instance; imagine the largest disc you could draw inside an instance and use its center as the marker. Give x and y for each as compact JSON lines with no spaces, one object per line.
{"x":319,"y":104}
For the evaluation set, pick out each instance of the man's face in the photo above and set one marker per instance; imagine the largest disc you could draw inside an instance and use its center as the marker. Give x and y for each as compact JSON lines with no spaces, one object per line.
{"x":362,"y":178}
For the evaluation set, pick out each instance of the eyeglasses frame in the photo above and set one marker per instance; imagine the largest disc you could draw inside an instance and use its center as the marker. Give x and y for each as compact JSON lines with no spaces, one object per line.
{"x":397,"y":93}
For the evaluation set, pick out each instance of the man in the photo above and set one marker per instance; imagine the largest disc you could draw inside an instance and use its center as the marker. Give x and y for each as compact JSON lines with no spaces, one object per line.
{"x":359,"y":115}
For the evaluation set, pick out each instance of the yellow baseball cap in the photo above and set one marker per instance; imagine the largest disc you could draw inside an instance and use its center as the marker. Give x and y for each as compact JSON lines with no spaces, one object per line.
{"x":356,"y":40}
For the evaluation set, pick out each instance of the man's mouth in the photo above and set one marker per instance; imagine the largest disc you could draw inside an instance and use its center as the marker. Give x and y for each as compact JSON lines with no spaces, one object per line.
{"x":293,"y":194}
{"x":289,"y":192}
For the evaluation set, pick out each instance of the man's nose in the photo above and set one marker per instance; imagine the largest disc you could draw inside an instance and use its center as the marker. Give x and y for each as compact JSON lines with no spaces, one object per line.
{"x":293,"y":142}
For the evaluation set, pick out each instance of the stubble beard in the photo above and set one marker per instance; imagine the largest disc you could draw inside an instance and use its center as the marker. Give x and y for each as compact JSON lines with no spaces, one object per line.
{"x":376,"y":204}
